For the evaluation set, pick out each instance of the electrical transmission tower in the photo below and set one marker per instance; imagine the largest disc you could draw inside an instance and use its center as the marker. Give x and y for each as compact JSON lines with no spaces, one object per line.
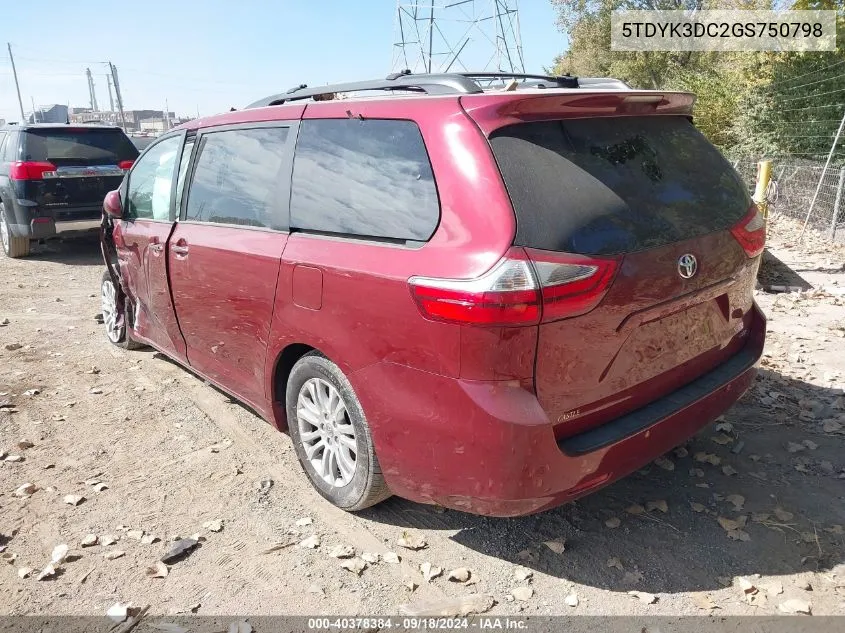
{"x":455,"y":35}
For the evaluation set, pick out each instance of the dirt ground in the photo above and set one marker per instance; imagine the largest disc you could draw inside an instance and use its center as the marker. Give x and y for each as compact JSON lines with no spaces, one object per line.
{"x":746,"y":519}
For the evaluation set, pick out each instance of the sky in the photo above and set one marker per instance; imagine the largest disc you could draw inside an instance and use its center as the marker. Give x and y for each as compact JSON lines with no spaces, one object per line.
{"x":209,"y":55}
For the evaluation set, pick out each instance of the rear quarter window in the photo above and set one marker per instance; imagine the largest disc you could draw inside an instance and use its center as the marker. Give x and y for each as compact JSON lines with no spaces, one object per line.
{"x":615,"y":184}
{"x":368,"y":178}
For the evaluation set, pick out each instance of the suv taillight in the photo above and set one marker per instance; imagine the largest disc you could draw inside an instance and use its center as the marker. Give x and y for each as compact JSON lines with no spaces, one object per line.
{"x":505,"y":295}
{"x":524,"y":288}
{"x":571,"y":284}
{"x":30,"y":170}
{"x":750,"y":231}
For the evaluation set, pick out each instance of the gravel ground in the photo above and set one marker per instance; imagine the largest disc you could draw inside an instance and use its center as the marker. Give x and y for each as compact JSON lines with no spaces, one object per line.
{"x":746,"y":519}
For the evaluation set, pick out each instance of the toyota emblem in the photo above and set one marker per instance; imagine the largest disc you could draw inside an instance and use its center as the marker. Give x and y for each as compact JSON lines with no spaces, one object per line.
{"x":687,"y":266}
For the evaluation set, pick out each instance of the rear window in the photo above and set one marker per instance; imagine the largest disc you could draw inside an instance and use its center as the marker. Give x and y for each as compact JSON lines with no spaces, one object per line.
{"x":615,"y":185}
{"x":75,"y":146}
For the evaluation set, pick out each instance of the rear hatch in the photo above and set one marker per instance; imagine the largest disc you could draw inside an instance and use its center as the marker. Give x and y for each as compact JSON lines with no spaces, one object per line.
{"x":71,"y":168}
{"x":618,"y":204}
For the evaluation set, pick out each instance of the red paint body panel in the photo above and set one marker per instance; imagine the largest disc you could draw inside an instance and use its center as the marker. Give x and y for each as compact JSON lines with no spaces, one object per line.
{"x":275,"y":113}
{"x":143,"y":265}
{"x":496,"y":451}
{"x":223,"y":291}
{"x":636,"y":353}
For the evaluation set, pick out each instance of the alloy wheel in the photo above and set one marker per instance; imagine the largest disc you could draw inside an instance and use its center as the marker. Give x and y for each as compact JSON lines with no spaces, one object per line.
{"x":4,"y":230}
{"x":327,"y":434}
{"x":108,"y":304}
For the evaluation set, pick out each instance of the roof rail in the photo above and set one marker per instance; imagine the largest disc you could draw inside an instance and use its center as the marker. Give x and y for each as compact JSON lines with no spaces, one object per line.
{"x":553,"y":81}
{"x":437,"y":84}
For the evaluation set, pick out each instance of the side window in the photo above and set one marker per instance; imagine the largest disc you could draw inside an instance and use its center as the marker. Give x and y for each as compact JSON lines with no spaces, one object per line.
{"x":238,"y":178}
{"x":151,"y":182}
{"x":370,"y":178}
{"x":9,"y":149}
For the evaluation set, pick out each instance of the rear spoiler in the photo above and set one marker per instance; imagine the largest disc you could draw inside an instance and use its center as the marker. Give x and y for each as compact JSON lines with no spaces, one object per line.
{"x":494,"y":110}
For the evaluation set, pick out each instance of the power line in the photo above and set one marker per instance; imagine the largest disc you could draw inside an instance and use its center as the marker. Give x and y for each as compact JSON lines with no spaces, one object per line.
{"x":819,"y":94}
{"x":813,"y":72}
{"x":811,"y":83}
{"x":832,"y":105}
{"x":806,"y":135}
{"x":63,"y":61}
{"x":807,"y":122}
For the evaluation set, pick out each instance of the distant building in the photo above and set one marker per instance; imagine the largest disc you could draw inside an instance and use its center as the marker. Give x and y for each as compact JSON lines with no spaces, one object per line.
{"x":54,"y":113}
{"x":133,"y":117}
{"x":155,"y":125}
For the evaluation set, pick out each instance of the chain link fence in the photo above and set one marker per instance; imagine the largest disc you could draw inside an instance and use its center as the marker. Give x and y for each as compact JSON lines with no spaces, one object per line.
{"x":793,"y":185}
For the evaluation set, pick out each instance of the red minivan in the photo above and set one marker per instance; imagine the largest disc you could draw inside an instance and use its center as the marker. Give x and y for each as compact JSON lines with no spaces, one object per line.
{"x":495,"y":294}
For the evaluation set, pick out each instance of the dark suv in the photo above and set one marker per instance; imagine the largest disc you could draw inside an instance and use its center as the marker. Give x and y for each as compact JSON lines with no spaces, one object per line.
{"x":53,"y":178}
{"x":491,"y":294}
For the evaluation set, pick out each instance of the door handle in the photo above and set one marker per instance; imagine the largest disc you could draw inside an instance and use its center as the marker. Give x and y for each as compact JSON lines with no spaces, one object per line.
{"x":156,"y":248}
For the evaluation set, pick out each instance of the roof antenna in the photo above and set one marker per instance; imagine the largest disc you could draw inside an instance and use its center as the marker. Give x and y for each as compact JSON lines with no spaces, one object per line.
{"x":401,"y":73}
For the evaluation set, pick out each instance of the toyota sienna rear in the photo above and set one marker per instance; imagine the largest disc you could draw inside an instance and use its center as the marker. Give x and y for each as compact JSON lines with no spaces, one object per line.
{"x":495,"y":300}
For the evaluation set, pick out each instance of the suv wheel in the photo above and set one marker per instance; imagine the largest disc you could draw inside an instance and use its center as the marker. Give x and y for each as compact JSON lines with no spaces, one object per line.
{"x":12,"y":246}
{"x":331,"y":436}
{"x":113,"y":320}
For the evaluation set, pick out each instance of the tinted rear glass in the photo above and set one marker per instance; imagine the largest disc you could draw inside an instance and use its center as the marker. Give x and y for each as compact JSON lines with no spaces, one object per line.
{"x":75,"y":146}
{"x":369,"y":178}
{"x":238,"y":178}
{"x":614,"y":185}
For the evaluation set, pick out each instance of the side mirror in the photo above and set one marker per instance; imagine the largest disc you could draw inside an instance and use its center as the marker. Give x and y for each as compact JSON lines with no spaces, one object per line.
{"x":112,"y":205}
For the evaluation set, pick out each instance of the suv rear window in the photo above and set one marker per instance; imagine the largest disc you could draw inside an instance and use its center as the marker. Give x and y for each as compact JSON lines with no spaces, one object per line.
{"x":78,"y":146}
{"x":614,"y":185}
{"x":369,"y":178}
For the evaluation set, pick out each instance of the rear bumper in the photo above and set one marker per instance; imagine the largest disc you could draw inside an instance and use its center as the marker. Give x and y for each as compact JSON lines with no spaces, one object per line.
{"x":489,"y":448}
{"x":36,"y":223}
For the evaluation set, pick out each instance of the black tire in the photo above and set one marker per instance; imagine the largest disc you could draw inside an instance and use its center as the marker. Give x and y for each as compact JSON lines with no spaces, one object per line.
{"x":13,"y":247}
{"x":120,"y":338}
{"x":367,"y":486}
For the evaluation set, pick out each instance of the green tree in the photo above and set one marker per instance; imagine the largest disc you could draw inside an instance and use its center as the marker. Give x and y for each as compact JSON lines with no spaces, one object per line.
{"x":792,"y":102}
{"x":750,"y":102}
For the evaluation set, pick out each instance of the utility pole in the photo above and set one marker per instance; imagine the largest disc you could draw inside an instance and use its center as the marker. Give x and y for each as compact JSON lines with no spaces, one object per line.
{"x":166,"y":118}
{"x":821,"y":179}
{"x":117,"y":94}
{"x":430,"y":34}
{"x":92,"y":95}
{"x":17,"y":86}
{"x":111,"y":99}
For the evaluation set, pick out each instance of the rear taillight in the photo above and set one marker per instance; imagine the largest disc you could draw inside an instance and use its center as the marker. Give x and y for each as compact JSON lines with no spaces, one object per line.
{"x":30,"y":170}
{"x":571,"y":285}
{"x":523,"y":288}
{"x":505,"y":295}
{"x":750,"y":231}
{"x":126,"y":165}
